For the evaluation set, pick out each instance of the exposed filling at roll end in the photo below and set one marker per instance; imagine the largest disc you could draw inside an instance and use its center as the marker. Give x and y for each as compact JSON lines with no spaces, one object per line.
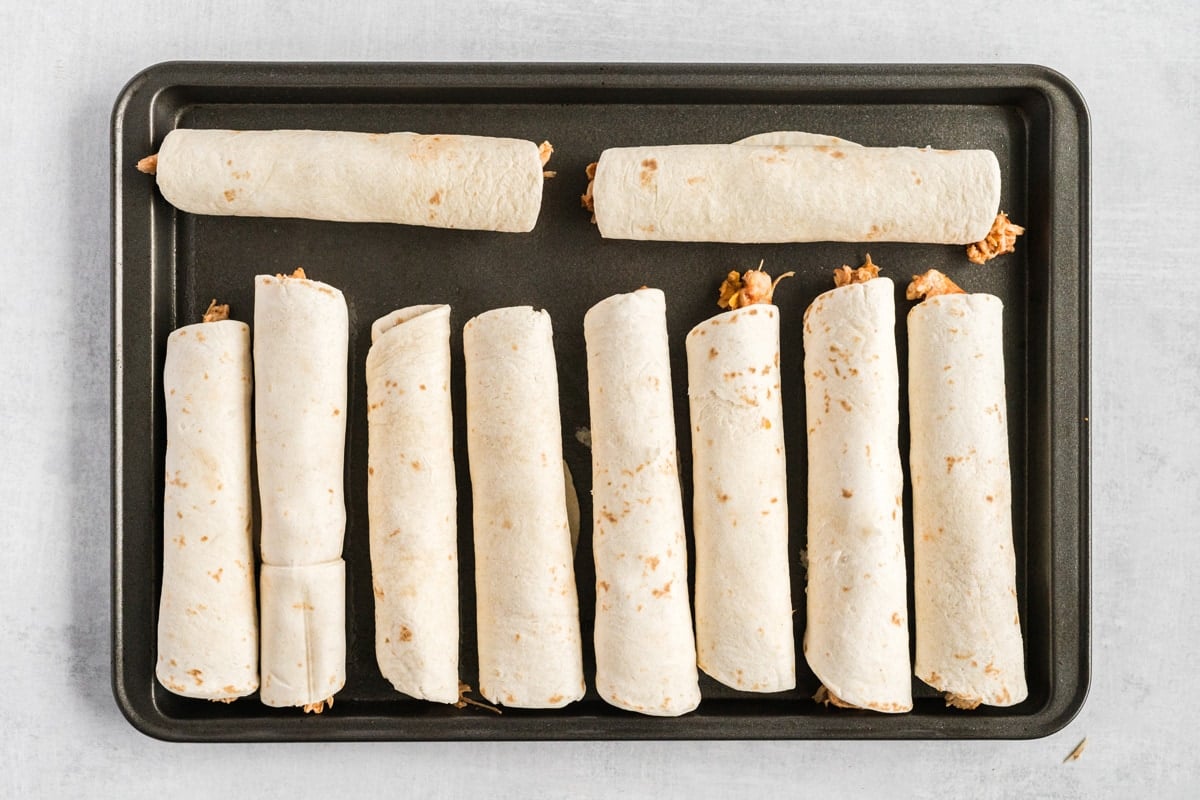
{"x":319,"y":706}
{"x":1001,"y":239}
{"x":748,"y":288}
{"x":845,"y":275}
{"x":148,"y":165}
{"x":963,"y":702}
{"x":298,"y":272}
{"x":464,"y":701}
{"x":545,"y":150}
{"x":931,"y":284}
{"x":216,"y":313}
{"x":827,"y":698}
{"x":586,"y":199}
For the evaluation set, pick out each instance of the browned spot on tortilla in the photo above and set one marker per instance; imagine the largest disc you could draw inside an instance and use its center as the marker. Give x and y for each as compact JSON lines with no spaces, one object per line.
{"x":722,"y":497}
{"x":557,"y":698}
{"x":847,"y":493}
{"x":990,"y":669}
{"x":516,"y":637}
{"x":405,"y":634}
{"x":846,"y":405}
{"x":837,"y":154}
{"x":230,"y":194}
{"x":712,"y":353}
{"x":608,"y":515}
{"x":646,"y":176}
{"x":422,"y":387}
{"x":990,"y":499}
{"x":337,"y":411}
{"x":416,"y":465}
{"x":652,"y":562}
{"x":651,"y":228}
{"x":216,"y":576}
{"x":378,"y":592}
{"x":506,"y":524}
{"x":766,"y":423}
{"x":602,"y":585}
{"x":195,"y":673}
{"x":896,"y":618}
{"x":179,"y":540}
{"x":436,"y":199}
{"x":370,"y":470}
{"x":664,"y":591}
{"x":302,"y":606}
{"x":692,"y":181}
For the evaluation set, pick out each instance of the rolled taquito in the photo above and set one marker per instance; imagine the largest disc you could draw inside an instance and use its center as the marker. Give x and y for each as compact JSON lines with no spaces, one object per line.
{"x":969,"y":642}
{"x":303,"y":634}
{"x":300,"y":361}
{"x":787,"y":187}
{"x":412,"y":503}
{"x":744,"y":634}
{"x":645,"y":648}
{"x":527,"y":609}
{"x":442,"y":181}
{"x":208,"y":617}
{"x":856,"y":639}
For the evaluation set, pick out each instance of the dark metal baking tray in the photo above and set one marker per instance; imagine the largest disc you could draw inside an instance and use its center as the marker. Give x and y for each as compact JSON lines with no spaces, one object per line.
{"x":167,"y":265}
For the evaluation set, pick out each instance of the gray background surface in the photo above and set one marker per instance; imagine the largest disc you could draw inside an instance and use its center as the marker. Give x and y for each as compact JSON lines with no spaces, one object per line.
{"x":61,"y":66}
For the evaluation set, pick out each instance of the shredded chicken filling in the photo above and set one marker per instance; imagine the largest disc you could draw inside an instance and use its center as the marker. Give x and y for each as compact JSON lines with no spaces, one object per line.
{"x":931,"y":284}
{"x":845,"y":275}
{"x":748,"y":288}
{"x":1001,"y":239}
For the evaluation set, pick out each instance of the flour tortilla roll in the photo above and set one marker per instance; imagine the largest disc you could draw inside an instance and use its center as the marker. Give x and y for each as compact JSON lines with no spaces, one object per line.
{"x":968,"y":630}
{"x":207,"y":619}
{"x":300,"y":340}
{"x":760,"y":193}
{"x":412,"y":503}
{"x":443,"y":181}
{"x":303,"y":634}
{"x":527,"y":610}
{"x":856,"y":640}
{"x":645,"y":649}
{"x":744,"y":632}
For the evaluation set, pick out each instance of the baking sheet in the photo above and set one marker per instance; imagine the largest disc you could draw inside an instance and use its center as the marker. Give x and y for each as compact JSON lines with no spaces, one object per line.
{"x":168,"y":265}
